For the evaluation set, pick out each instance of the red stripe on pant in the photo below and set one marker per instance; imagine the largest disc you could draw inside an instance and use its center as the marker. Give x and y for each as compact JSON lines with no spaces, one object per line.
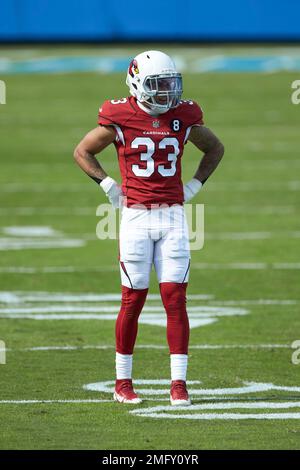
{"x":133,"y":301}
{"x":178,"y":329}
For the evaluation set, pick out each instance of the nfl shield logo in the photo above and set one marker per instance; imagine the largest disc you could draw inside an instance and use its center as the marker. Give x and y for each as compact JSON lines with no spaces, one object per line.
{"x":155,"y":124}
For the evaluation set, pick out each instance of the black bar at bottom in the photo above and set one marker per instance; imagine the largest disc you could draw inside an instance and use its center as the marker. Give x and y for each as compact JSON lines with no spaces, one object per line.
{"x":136,"y":458}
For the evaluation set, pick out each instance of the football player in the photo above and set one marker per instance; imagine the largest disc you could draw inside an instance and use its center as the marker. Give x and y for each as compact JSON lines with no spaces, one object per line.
{"x":149,"y":130}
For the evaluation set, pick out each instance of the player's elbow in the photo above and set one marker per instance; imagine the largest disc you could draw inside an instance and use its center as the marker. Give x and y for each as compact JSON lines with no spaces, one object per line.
{"x":220,"y":149}
{"x":77,"y":153}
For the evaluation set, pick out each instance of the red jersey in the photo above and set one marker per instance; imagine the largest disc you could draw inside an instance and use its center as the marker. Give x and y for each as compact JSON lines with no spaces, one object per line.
{"x":150,"y":148}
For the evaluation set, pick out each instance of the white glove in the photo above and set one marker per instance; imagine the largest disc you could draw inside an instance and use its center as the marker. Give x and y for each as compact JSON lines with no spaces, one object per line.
{"x":113,"y":191}
{"x":191,"y":188}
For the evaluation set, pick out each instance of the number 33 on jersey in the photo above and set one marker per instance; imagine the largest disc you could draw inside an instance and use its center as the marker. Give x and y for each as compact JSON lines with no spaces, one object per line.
{"x":150,"y":148}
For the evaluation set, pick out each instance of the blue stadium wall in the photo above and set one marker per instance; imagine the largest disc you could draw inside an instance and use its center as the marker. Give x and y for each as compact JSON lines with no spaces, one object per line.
{"x":116,"y":20}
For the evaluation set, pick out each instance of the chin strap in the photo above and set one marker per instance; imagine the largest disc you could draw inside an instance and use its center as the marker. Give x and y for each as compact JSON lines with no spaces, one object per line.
{"x":149,"y":110}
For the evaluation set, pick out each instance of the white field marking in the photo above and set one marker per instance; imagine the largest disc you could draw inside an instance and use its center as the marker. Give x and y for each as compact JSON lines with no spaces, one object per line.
{"x":194,"y":266}
{"x":223,"y":416}
{"x":240,"y":346}
{"x":56,"y":269}
{"x":87,"y":401}
{"x":150,"y":346}
{"x":238,"y":236}
{"x":31,"y":402}
{"x":31,"y":231}
{"x":20,"y":307}
{"x":256,"y":302}
{"x":89,"y":211}
{"x":40,"y":188}
{"x":22,"y":244}
{"x":109,"y":386}
{"x":251,"y":235}
{"x":46,"y":211}
{"x":222,"y":406}
{"x":230,"y":235}
{"x":264,"y":210}
{"x":221,"y":394}
{"x":245,"y":186}
{"x":229,"y":266}
{"x":157,"y":311}
{"x":287,"y":265}
{"x":277,"y":164}
{"x":36,"y":237}
{"x":293,"y":185}
{"x":146,"y":320}
{"x":256,"y":186}
{"x":209,"y":394}
{"x":245,"y":266}
{"x":249,"y":387}
{"x":162,"y":321}
{"x":196,"y":319}
{"x":37,"y":296}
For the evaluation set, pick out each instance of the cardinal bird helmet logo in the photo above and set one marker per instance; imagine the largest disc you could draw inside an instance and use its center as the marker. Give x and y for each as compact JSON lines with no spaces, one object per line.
{"x":133,"y":68}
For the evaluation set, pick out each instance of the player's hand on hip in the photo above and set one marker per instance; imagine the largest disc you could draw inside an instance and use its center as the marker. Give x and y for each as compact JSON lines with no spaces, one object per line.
{"x":113,"y":191}
{"x":191,"y":188}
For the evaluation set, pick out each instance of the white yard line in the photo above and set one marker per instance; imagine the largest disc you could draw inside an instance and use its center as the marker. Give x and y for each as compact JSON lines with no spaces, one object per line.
{"x":86,"y":401}
{"x":250,"y":210}
{"x":195,"y":388}
{"x":148,"y":346}
{"x":19,"y":298}
{"x":31,"y":231}
{"x":91,"y":211}
{"x":114,"y":310}
{"x":222,"y":416}
{"x":245,"y":266}
{"x":194,"y":265}
{"x":31,"y":402}
{"x":294,"y":234}
{"x":245,"y":186}
{"x":29,"y":211}
{"x":23,"y":244}
{"x":251,"y":235}
{"x":255,"y":302}
{"x":37,"y":296}
{"x":56,"y":269}
{"x":150,"y":413}
{"x":223,"y":406}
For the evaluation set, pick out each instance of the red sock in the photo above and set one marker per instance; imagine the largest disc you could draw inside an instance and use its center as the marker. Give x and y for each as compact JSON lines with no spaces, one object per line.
{"x":178,"y":329}
{"x":127,"y":322}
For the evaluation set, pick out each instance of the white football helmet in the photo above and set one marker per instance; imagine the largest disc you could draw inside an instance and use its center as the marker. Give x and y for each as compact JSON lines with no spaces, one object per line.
{"x":154,"y":81}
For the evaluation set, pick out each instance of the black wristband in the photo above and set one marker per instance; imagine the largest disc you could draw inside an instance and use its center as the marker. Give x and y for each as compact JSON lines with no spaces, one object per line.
{"x":98,"y":180}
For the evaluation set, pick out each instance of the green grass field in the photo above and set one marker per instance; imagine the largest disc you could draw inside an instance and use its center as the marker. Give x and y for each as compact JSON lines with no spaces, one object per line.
{"x":247,"y":274}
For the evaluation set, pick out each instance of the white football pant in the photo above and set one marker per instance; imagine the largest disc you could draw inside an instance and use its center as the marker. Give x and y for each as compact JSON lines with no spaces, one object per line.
{"x":159,"y":236}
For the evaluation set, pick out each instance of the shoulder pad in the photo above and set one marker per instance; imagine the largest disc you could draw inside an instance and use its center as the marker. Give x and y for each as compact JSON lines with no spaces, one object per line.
{"x":112,"y":111}
{"x":192,"y":112}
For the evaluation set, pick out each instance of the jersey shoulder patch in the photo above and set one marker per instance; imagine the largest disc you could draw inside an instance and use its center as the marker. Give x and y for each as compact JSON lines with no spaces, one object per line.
{"x":191,"y":112}
{"x":113,"y":112}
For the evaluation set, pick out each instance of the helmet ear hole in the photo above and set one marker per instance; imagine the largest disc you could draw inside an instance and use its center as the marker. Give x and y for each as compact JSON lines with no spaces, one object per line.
{"x":134,"y":86}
